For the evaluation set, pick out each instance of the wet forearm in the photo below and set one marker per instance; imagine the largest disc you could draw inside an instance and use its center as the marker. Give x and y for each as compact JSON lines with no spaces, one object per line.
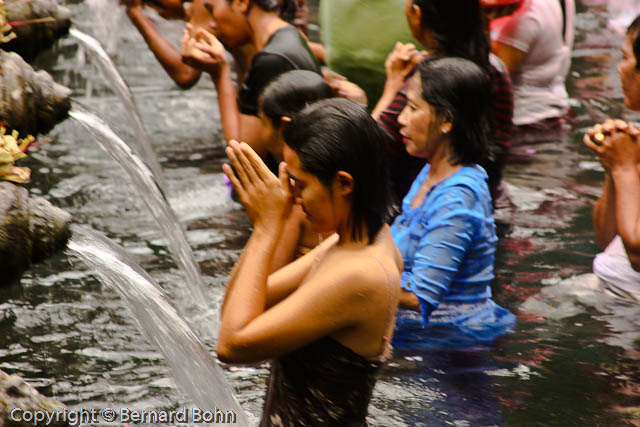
{"x":246,"y":298}
{"x":627,"y":204}
{"x":604,"y":214}
{"x":227,"y":103}
{"x":391,"y":88}
{"x":166,"y":54}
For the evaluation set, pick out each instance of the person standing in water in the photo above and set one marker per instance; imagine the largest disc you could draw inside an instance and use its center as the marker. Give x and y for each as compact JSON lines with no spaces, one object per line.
{"x":446,"y":232}
{"x":453,"y":28}
{"x":326,"y":319}
{"x":280,"y":101}
{"x":535,"y":44}
{"x":198,"y":16}
{"x":279,"y":48}
{"x":616,"y":216}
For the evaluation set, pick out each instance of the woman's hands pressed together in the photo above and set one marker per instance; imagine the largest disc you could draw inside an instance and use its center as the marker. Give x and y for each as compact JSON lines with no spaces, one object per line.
{"x":268,"y":199}
{"x":616,"y":144}
{"x":202,"y":50}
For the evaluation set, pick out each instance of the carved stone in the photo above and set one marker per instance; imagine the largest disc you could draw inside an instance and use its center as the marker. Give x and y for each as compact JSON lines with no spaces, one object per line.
{"x":30,"y":102}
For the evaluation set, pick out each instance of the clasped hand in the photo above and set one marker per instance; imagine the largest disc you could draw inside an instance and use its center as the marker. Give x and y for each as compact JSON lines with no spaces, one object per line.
{"x":267,"y":198}
{"x":616,"y":144}
{"x":343,"y":88}
{"x":402,"y":60}
{"x":202,"y":50}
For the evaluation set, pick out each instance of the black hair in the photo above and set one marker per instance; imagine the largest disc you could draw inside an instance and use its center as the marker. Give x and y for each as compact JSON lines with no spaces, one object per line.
{"x":291,"y":92}
{"x":335,"y":135}
{"x":458,"y":27}
{"x":461,"y":88}
{"x":286,"y":8}
{"x":634,"y":32}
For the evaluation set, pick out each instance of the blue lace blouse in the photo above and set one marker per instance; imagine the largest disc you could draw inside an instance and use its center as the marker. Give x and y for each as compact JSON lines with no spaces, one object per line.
{"x":448,"y":245}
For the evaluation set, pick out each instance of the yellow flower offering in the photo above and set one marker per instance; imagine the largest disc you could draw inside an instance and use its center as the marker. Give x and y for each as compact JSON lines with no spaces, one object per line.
{"x":12,"y":149}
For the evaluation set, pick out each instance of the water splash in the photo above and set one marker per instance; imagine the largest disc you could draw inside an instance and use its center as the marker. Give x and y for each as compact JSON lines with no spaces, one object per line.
{"x":196,"y":371}
{"x":143,"y":181}
{"x":120,"y":87}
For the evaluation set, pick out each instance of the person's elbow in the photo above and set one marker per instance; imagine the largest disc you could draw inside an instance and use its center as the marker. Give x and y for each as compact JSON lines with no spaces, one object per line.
{"x":186,"y":81}
{"x":409,"y":301}
{"x":230,"y":350}
{"x":225,"y":353}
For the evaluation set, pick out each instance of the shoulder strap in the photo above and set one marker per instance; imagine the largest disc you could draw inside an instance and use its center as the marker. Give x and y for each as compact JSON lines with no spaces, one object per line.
{"x":386,"y":339}
{"x":563,"y":6}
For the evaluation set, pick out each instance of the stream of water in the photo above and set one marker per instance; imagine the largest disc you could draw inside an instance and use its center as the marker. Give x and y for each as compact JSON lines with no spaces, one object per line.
{"x":194,"y":369}
{"x":122,"y":90}
{"x":143,"y":182}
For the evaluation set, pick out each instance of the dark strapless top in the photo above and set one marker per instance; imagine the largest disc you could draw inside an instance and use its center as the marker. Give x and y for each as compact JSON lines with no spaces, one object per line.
{"x":321,"y":384}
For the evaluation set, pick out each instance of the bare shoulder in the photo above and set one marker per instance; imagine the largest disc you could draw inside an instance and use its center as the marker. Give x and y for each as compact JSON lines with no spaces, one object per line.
{"x":367,"y":271}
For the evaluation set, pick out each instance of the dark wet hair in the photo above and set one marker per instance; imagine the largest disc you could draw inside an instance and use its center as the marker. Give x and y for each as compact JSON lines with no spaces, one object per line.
{"x":461,"y":88}
{"x":291,"y":92}
{"x":335,"y":135}
{"x":286,"y":8}
{"x":458,"y":27}
{"x":634,"y":32}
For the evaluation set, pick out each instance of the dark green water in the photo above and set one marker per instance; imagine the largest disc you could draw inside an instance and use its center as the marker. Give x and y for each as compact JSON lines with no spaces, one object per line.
{"x":73,"y":338}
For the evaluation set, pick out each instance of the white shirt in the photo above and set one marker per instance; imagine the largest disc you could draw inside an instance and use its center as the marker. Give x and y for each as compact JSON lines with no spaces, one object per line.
{"x":613,"y":267}
{"x":536,"y":29}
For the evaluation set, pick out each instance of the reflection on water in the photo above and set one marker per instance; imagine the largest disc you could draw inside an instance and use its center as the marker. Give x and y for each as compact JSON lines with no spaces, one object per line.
{"x":73,"y":339}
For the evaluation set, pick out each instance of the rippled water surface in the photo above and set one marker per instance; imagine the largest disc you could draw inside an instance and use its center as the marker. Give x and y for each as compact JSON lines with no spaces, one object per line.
{"x":74,"y":338}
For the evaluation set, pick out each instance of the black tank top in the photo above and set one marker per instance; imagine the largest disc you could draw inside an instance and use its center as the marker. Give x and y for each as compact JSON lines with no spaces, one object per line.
{"x":321,"y":384}
{"x":324,"y":383}
{"x":286,"y":50}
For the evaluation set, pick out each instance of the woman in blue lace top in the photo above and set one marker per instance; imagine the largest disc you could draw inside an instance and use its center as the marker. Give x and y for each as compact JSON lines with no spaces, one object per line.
{"x":446,"y":232}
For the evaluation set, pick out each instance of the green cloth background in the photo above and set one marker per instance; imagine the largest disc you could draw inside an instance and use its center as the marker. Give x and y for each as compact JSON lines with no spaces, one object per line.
{"x":358,"y":35}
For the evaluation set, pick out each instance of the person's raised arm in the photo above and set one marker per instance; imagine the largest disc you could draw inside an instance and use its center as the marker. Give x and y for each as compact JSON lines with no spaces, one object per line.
{"x":166,"y":54}
{"x":604,"y":214}
{"x":604,"y":211}
{"x":204,"y":51}
{"x":398,"y":65}
{"x":617,"y":145}
{"x":268,"y":201}
{"x":287,"y":279}
{"x":249,"y":332}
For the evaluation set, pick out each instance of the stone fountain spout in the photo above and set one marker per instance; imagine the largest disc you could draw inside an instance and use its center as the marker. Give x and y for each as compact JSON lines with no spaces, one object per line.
{"x":31,"y":229}
{"x":30,"y":102}
{"x":39,"y":23}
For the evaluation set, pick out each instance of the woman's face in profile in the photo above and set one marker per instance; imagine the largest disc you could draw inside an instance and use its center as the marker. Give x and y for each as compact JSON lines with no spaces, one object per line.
{"x":230,"y":25}
{"x":201,"y":16}
{"x":630,"y":75}
{"x":419,"y":121}
{"x":312,"y":195}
